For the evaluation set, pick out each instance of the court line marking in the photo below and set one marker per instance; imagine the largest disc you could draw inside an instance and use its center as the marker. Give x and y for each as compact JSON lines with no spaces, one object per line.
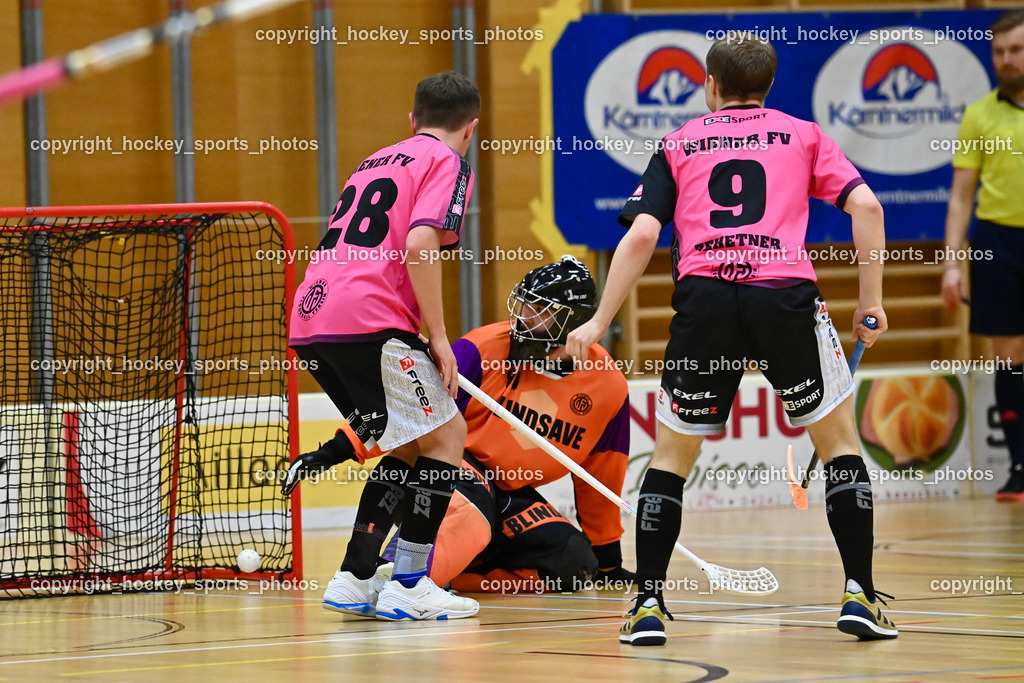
{"x":720,"y":603}
{"x":276,"y":659}
{"x":759,"y":618}
{"x":343,"y":639}
{"x":888,"y":675}
{"x":880,"y":546}
{"x":405,"y":651}
{"x":805,"y":609}
{"x":163,"y":613}
{"x":432,"y":632}
{"x":713,"y":536}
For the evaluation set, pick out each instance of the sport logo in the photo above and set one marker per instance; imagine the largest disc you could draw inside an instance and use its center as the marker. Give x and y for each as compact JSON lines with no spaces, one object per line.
{"x":313,"y":300}
{"x":581,"y":404}
{"x":668,"y":72}
{"x":406,"y":362}
{"x":897,"y":73}
{"x":638,"y":194}
{"x":421,"y":502}
{"x":904,"y":96}
{"x":390,"y":501}
{"x":669,"y":76}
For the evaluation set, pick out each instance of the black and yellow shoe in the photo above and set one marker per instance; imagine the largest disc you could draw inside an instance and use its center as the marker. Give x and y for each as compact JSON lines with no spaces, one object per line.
{"x":862,"y":618}
{"x":646,"y":624}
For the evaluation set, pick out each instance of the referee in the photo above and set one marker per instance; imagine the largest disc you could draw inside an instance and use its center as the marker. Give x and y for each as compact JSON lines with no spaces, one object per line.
{"x":992,"y":142}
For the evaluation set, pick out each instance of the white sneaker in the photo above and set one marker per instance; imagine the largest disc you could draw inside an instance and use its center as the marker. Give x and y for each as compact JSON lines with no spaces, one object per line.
{"x":423,"y":601}
{"x":349,"y":595}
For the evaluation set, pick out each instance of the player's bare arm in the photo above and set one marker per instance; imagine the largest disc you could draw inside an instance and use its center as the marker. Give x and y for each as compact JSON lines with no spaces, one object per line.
{"x":958,"y":219}
{"x":628,"y":264}
{"x":424,"y":246}
{"x":869,"y":238}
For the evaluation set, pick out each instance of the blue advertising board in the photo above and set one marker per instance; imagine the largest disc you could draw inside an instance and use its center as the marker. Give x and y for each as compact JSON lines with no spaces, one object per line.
{"x":890,"y":88}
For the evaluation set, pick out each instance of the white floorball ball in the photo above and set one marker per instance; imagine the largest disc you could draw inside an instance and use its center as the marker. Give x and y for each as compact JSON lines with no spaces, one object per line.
{"x":248,"y":560}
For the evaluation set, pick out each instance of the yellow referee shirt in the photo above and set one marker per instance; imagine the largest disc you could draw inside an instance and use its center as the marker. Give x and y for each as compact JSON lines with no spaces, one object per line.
{"x":992,"y":142}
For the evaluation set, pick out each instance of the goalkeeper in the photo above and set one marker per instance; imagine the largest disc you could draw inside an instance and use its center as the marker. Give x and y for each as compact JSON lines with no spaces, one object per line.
{"x":500,"y":534}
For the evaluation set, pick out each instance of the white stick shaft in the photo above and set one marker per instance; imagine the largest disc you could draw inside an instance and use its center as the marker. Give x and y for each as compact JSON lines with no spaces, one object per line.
{"x":546,"y":446}
{"x":240,"y":10}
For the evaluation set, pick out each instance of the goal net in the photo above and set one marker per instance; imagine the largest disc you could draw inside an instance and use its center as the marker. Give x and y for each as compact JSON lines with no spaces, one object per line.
{"x":149,"y":396}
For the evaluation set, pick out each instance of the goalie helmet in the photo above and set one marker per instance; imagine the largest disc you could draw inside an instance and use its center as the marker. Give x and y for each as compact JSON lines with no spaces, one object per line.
{"x":549,"y":303}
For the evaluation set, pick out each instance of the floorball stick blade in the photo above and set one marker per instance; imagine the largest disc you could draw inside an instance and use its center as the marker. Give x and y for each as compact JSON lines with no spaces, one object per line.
{"x":798,"y":492}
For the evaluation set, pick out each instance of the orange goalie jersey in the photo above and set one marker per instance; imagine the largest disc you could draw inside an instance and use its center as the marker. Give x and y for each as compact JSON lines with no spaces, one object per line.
{"x":584,"y":414}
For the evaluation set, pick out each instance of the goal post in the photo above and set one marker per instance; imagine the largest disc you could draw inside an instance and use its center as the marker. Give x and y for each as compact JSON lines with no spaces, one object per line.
{"x":149,"y":398}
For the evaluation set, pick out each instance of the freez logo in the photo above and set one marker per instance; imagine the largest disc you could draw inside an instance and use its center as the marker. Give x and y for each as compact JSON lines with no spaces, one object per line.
{"x":649,"y":513}
{"x":420,"y":392}
{"x":707,"y":410}
{"x":835,"y":342}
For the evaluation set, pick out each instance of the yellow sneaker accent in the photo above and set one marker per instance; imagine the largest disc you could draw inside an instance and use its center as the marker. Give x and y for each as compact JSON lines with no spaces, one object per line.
{"x":864,"y":619}
{"x":646,"y":626}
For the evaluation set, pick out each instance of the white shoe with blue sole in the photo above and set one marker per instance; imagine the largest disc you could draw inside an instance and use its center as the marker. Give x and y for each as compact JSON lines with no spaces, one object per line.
{"x":423,"y":601}
{"x":349,"y":595}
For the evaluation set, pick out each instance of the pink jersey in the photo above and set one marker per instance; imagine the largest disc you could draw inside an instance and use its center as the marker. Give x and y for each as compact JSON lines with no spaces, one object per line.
{"x":737,"y":183}
{"x":357,"y":283}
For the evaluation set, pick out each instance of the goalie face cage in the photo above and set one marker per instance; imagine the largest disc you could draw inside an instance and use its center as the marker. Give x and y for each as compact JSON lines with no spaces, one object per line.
{"x":149,"y":396}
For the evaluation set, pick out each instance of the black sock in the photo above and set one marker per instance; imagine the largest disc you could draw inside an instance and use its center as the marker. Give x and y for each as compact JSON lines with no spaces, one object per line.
{"x":659,"y":518}
{"x":380,"y":501}
{"x":851,"y":517}
{"x":1010,"y":404}
{"x":427,"y":496}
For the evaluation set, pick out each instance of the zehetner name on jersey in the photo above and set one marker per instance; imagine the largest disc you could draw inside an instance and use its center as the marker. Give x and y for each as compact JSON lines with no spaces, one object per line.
{"x":716,"y":142}
{"x":740,"y":240}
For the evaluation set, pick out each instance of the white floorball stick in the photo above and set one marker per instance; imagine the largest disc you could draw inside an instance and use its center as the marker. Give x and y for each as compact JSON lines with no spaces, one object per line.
{"x":756,"y":582}
{"x":121,"y":49}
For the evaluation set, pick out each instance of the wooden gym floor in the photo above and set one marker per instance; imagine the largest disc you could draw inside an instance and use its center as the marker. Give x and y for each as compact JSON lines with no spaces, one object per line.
{"x":240,"y":635}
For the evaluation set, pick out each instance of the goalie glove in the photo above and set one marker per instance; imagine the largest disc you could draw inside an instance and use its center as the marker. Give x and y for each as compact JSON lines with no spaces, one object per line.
{"x":610,"y":573}
{"x":618,"y":577}
{"x":309,"y":465}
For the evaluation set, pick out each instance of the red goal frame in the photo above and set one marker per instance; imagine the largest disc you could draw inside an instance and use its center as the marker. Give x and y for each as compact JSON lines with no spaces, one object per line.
{"x":70,"y":419}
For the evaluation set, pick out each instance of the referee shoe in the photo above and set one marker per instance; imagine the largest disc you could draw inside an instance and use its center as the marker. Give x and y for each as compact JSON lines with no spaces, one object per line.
{"x":862,"y":618}
{"x":349,"y":595}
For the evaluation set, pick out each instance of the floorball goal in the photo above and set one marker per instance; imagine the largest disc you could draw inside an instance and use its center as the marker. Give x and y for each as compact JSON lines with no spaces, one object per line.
{"x":148,"y":396}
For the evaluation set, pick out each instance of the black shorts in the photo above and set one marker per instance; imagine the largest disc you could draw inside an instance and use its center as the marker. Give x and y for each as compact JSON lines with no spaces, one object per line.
{"x":722,"y":328}
{"x":389,"y":390}
{"x":997,"y":283}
